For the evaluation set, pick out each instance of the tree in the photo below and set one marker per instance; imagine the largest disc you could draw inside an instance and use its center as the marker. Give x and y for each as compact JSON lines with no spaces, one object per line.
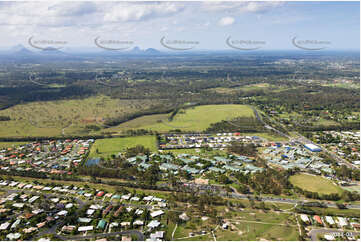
{"x":152,"y":175}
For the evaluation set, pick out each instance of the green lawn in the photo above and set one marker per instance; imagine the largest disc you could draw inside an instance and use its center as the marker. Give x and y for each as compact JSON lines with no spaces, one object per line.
{"x":315,"y":184}
{"x":107,"y":147}
{"x":352,"y":188}
{"x":256,"y":231}
{"x":192,"y":119}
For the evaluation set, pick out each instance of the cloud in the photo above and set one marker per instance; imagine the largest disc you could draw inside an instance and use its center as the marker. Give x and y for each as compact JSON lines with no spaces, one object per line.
{"x":73,"y":9}
{"x":226,"y":21}
{"x":240,"y":7}
{"x":126,"y":12}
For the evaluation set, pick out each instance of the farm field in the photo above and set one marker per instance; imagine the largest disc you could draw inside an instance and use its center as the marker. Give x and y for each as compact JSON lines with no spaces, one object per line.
{"x":314,"y":184}
{"x":192,"y":119}
{"x":108,"y":147}
{"x":68,"y":117}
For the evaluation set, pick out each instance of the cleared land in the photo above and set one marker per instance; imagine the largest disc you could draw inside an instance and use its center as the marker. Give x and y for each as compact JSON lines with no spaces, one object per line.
{"x":108,"y":147}
{"x":192,"y":119}
{"x":54,"y":118}
{"x":314,"y":184}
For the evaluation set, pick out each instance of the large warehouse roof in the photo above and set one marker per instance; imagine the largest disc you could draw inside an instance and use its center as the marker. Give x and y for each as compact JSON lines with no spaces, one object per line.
{"x":312,"y":147}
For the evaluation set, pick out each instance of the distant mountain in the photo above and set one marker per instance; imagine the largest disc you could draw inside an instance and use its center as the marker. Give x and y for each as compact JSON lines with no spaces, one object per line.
{"x":152,"y":51}
{"x":135,"y":50}
{"x":51,"y":51}
{"x":19,"y":50}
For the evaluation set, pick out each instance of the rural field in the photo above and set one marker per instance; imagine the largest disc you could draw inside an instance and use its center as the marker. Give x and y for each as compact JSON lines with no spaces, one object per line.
{"x":68,"y":117}
{"x":314,"y":184}
{"x":192,"y":119}
{"x":108,"y":147}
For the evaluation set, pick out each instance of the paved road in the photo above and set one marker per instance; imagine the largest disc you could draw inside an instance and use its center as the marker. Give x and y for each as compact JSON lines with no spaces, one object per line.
{"x":283,"y":200}
{"x":259,"y":118}
{"x":314,"y":232}
{"x":139,"y":235}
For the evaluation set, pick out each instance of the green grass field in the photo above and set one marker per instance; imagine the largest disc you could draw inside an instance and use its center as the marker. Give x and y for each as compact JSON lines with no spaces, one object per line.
{"x":315,"y":184}
{"x":107,"y":147}
{"x":51,"y":117}
{"x":352,"y":188}
{"x":192,"y":119}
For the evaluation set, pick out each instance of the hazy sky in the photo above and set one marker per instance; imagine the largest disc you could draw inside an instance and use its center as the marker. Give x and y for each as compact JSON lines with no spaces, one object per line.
{"x":210,"y":24}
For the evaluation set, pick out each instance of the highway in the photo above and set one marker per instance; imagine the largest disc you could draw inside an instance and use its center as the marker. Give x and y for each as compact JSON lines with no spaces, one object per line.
{"x":285,"y":200}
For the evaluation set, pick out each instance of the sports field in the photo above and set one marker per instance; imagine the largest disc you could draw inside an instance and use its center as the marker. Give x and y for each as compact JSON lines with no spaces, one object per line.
{"x":192,"y":119}
{"x":107,"y":147}
{"x":314,"y":184}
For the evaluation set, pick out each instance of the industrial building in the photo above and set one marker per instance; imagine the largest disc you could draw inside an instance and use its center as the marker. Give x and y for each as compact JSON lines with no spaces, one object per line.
{"x":313,"y":148}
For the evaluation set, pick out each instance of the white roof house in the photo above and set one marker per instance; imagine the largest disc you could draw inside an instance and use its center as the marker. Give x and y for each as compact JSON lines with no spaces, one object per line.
{"x":4,"y":226}
{"x":304,"y":218}
{"x":156,"y":213}
{"x":96,"y":206}
{"x":330,"y":220}
{"x":114,"y":224}
{"x":15,"y":224}
{"x":342,"y":221}
{"x":123,"y":224}
{"x":62,"y":213}
{"x":134,"y":199}
{"x":84,"y":220}
{"x":153,"y":224}
{"x":37,"y":211}
{"x":13,"y":236}
{"x":33,"y":199}
{"x":148,"y":198}
{"x":138,"y":222}
{"x":18,"y":205}
{"x":125,"y":197}
{"x":157,"y":235}
{"x":90,"y":211}
{"x":85,"y":228}
{"x":69,"y":205}
{"x":139,"y":211}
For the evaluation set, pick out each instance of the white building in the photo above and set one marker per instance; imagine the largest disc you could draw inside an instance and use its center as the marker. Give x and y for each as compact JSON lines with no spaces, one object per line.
{"x":330,"y":220}
{"x":85,"y":228}
{"x":156,"y":213}
{"x":304,"y":218}
{"x":342,"y":222}
{"x":153,"y":224}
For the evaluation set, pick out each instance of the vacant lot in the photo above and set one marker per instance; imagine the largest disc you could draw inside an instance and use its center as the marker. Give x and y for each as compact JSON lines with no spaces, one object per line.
{"x":314,"y":184}
{"x":68,"y":117}
{"x":192,"y":119}
{"x":108,"y":147}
